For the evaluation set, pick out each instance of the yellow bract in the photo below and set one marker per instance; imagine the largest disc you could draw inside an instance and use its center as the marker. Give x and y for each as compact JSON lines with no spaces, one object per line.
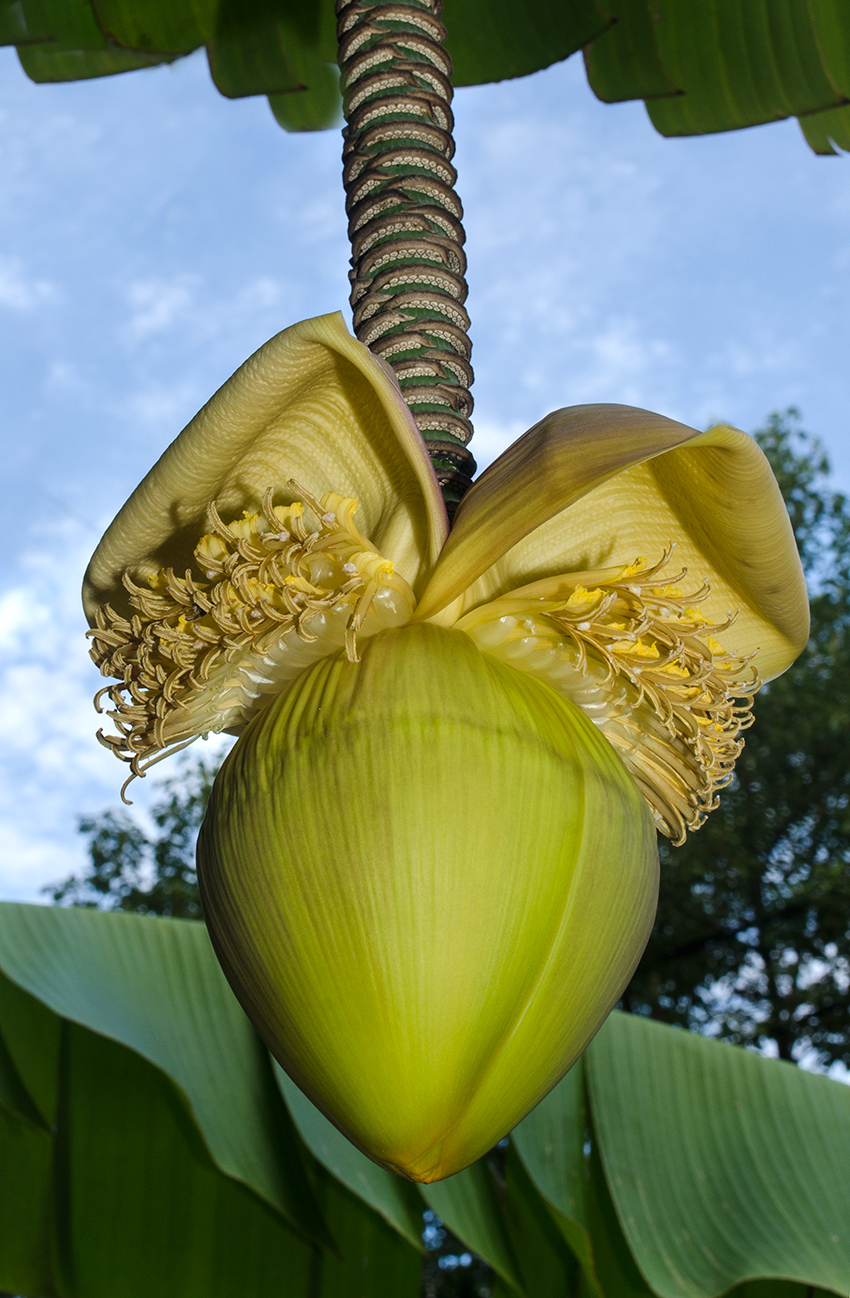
{"x":313,"y":405}
{"x":428,"y":879}
{"x":430,"y":873}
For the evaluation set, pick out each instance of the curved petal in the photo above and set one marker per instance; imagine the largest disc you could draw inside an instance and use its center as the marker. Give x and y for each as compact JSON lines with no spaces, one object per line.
{"x":312,"y":404}
{"x":595,"y":487}
{"x":536,"y":479}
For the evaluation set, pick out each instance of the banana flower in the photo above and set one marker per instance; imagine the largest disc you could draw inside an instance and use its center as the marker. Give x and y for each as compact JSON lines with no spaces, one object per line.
{"x":429,"y":863}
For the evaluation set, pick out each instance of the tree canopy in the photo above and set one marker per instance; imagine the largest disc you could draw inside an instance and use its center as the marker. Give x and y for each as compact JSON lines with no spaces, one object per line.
{"x":132,"y":869}
{"x":752,"y":938}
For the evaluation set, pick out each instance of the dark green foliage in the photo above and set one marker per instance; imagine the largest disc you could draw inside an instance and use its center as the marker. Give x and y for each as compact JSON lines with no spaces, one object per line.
{"x":752,"y":938}
{"x":451,"y":1270}
{"x":717,"y":66}
{"x":131,"y":870}
{"x":147,"y":1153}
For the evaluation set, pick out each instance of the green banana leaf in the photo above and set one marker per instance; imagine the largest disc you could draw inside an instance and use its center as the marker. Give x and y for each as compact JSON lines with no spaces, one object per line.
{"x":723,"y":1166}
{"x":716,"y":65}
{"x":148,"y":1146}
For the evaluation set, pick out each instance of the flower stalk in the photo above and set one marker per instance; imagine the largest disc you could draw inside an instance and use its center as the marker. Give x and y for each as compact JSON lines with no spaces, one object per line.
{"x":405,"y":219}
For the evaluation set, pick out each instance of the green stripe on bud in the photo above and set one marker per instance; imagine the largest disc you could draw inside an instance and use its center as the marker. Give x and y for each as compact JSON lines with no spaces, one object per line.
{"x":428,"y":878}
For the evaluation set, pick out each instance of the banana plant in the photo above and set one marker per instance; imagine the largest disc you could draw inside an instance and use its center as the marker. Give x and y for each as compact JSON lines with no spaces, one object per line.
{"x":463,"y":708}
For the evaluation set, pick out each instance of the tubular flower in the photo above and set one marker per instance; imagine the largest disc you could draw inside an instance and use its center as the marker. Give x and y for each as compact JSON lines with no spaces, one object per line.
{"x":429,"y":864}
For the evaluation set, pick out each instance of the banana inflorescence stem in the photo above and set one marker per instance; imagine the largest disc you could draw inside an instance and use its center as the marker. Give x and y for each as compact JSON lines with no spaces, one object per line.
{"x":404,"y":218}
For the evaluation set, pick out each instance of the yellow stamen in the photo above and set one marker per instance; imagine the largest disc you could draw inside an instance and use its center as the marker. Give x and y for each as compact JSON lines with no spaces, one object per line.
{"x":203,"y":653}
{"x":643,"y":662}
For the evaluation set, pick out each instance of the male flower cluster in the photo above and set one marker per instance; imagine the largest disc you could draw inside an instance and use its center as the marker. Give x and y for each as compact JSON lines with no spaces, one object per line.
{"x":428,"y":866}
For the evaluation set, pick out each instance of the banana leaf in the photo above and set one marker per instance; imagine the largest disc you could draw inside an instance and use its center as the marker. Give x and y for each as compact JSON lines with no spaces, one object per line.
{"x":149,"y":1146}
{"x":718,"y":65}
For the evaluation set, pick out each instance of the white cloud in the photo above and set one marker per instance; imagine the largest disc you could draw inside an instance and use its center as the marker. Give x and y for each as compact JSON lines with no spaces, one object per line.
{"x":20,"y":292}
{"x":262,"y":293}
{"x":49,"y":765}
{"x":492,"y":438}
{"x":193,"y":309}
{"x":52,"y":769}
{"x":160,"y":404}
{"x":158,"y":304}
{"x":14,"y":612}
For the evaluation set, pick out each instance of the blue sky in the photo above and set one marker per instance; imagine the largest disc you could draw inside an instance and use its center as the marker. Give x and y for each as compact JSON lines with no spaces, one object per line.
{"x":153,"y":234}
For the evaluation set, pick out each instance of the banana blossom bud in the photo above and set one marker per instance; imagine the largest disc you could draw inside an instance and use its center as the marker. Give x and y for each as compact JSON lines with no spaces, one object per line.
{"x":429,"y":866}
